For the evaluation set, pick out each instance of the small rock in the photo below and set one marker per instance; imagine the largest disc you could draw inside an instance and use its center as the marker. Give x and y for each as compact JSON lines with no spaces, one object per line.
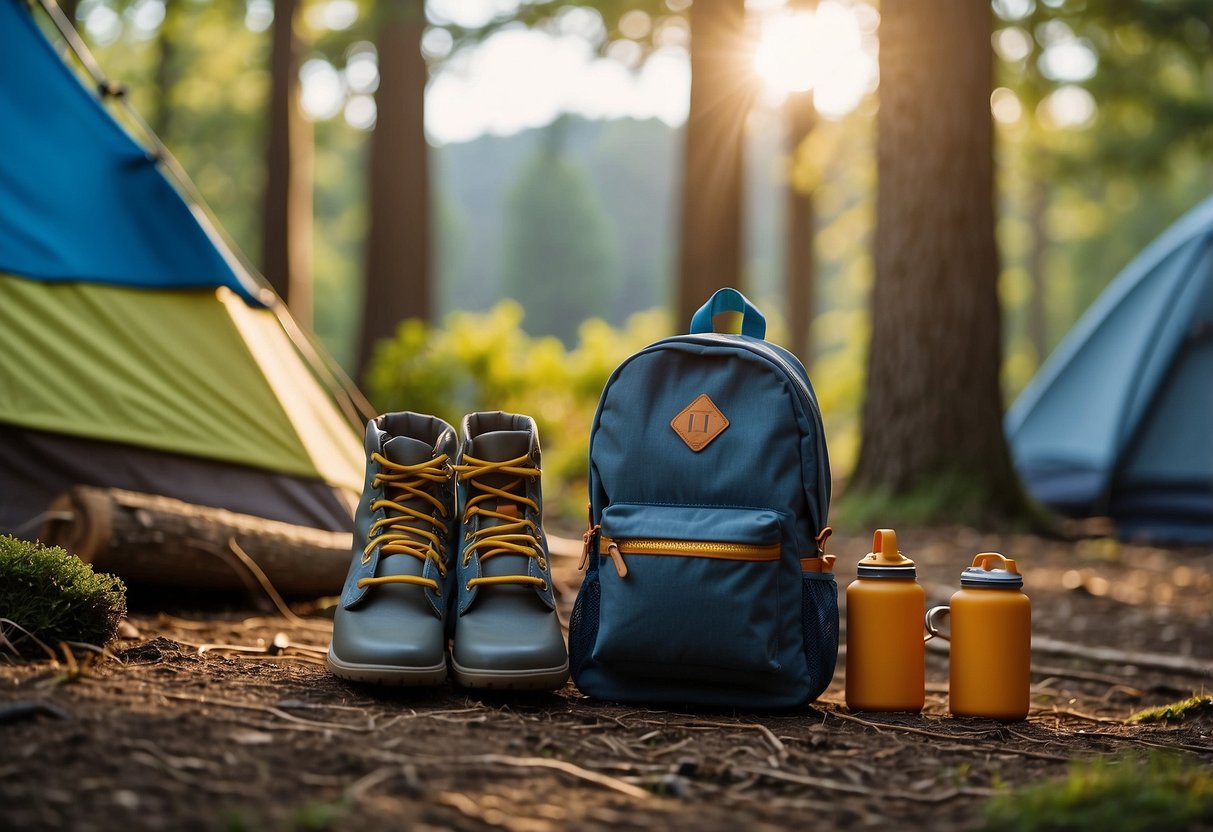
{"x":126,"y":798}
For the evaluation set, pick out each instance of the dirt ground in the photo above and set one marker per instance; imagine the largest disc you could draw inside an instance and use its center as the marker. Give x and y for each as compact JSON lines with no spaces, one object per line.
{"x":211,"y":718}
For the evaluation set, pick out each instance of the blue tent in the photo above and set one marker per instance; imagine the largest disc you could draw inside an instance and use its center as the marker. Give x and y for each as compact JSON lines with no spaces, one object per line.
{"x":1119,"y":421}
{"x":82,"y":200}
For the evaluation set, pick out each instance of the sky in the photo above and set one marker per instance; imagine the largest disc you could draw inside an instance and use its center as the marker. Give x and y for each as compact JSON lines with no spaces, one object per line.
{"x":522,"y":78}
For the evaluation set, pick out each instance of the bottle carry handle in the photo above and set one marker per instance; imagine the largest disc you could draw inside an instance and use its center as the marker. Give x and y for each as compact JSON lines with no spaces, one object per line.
{"x":753,"y":323}
{"x":983,"y":561}
{"x":932,"y":630}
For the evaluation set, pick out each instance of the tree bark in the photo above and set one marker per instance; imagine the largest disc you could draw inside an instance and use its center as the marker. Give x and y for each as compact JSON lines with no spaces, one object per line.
{"x":397,"y":276}
{"x":1038,"y":320}
{"x":799,"y":118}
{"x":710,"y":248}
{"x":798,"y":266}
{"x":165,"y":76}
{"x":162,"y":541}
{"x":932,"y":417}
{"x":286,"y":233}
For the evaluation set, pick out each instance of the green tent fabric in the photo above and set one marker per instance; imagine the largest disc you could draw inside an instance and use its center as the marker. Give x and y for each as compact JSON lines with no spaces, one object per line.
{"x":166,"y":370}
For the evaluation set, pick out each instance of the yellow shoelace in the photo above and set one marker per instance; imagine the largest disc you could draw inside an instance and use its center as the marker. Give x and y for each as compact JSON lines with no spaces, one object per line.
{"x":514,"y":535}
{"x":403,"y":483}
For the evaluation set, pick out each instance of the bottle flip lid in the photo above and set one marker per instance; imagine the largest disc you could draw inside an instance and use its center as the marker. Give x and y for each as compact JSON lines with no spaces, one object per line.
{"x":885,"y":560}
{"x":991,"y":570}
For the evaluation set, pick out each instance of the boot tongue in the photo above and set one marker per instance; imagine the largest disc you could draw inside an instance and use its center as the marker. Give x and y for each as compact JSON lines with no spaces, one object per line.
{"x":501,"y":446}
{"x":404,"y":450}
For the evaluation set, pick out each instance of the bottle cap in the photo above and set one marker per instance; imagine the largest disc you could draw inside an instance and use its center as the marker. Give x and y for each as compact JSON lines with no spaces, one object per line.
{"x":885,"y":560}
{"x":991,"y":570}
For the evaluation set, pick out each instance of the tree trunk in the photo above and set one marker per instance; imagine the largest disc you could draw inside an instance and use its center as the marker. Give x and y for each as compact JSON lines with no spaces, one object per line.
{"x":710,"y":252}
{"x":932,"y":417}
{"x":165,"y":76}
{"x":286,"y":231}
{"x":1038,"y":321}
{"x":397,"y":282}
{"x":799,"y":117}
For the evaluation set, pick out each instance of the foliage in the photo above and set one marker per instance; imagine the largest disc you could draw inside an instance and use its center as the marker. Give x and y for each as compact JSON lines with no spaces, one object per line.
{"x":485,"y":361}
{"x":559,"y":252}
{"x":1195,"y":707}
{"x":53,"y":596}
{"x":1122,"y":796}
{"x":1079,"y":200}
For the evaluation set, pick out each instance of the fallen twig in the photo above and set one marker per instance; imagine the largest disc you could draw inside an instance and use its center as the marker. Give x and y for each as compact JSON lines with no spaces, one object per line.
{"x":855,"y":788}
{"x":259,"y":574}
{"x":1070,"y":712}
{"x":1049,"y":671}
{"x":906,"y":729}
{"x":278,"y":712}
{"x":571,"y":769}
{"x":959,"y":739}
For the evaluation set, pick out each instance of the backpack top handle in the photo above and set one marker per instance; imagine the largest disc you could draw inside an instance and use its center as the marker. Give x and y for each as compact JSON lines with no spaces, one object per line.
{"x":753,"y":324}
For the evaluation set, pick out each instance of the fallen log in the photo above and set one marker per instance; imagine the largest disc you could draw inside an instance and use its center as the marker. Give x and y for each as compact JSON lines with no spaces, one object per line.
{"x":157,"y":540}
{"x":1187,"y":665}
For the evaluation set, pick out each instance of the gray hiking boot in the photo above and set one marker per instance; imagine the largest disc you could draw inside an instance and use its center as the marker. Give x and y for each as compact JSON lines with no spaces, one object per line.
{"x":391,"y":624}
{"x":506,"y":631}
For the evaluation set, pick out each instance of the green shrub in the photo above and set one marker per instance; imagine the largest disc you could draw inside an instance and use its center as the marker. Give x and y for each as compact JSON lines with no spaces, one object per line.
{"x":53,"y":596}
{"x":485,"y":361}
{"x":1122,"y":796}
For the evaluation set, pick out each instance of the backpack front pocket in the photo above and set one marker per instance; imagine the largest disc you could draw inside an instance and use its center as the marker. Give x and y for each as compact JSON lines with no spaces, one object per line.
{"x":689,"y":592}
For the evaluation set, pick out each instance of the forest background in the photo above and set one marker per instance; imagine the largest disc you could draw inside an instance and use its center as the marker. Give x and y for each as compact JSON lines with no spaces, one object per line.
{"x":1102,"y":117}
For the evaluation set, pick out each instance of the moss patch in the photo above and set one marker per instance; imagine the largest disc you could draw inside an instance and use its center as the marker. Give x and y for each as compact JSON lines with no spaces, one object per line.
{"x":1127,"y":795}
{"x":1195,"y":709}
{"x":52,"y":596}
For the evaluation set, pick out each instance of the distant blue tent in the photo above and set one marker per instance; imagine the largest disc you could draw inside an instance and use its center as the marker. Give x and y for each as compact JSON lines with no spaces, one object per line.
{"x":1119,"y":421}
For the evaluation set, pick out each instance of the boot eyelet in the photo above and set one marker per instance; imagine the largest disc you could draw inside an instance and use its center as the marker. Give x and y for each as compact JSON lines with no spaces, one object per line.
{"x":468,"y":586}
{"x":543,"y":587}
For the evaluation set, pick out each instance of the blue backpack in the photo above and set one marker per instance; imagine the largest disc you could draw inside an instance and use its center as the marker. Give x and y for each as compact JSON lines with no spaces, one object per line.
{"x":705,"y":582}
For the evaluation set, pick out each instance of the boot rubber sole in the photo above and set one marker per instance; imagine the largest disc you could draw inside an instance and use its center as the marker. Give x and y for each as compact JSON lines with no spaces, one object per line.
{"x":550,"y":678}
{"x":386,"y":674}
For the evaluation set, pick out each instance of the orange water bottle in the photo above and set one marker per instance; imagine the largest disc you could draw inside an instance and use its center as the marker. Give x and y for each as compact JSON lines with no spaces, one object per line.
{"x":989,"y":664}
{"x":885,"y":607}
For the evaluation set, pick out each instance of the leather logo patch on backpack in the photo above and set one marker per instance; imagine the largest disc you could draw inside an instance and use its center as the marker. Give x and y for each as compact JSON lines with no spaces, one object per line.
{"x":699,"y":423}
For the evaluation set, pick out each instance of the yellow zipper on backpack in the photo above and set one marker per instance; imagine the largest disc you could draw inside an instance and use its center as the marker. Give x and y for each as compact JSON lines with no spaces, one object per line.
{"x":615,"y":550}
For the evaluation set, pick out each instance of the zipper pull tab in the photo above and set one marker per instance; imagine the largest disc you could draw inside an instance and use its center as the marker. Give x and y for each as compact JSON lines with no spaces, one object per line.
{"x":822,"y":538}
{"x":616,"y":558}
{"x":585,"y":547}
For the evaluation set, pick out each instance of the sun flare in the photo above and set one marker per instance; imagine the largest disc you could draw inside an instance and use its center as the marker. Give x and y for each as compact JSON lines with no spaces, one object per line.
{"x":825,"y":50}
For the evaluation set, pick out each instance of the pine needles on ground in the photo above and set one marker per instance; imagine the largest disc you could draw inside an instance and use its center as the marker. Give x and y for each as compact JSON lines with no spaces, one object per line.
{"x":48,"y":596}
